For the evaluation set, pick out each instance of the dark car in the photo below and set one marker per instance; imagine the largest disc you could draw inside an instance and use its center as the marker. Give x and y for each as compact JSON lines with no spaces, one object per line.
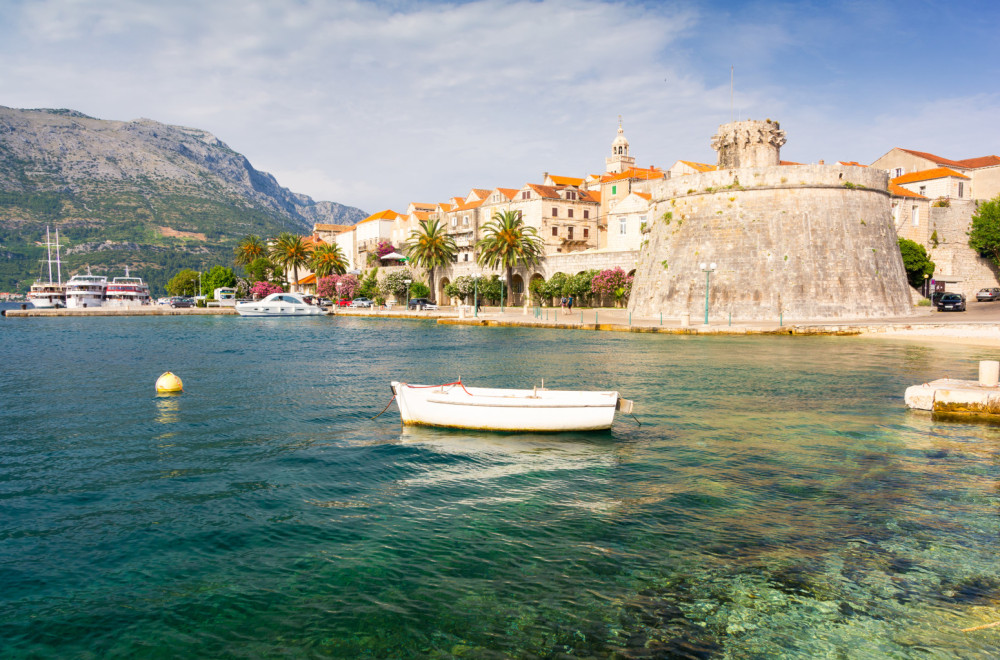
{"x":421,"y":303}
{"x":988,"y":295}
{"x":181,"y":301}
{"x":951,"y":302}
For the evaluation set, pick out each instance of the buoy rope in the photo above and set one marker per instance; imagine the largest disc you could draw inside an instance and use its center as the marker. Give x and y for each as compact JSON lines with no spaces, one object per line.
{"x":387,"y":405}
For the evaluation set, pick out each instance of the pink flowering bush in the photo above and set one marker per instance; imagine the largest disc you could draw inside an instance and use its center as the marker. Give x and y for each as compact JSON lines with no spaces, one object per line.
{"x":612,"y":282}
{"x":384,"y":248}
{"x":335,"y":287}
{"x":264,"y":289}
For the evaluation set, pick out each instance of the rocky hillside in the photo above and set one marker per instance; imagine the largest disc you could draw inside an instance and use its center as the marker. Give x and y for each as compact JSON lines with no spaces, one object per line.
{"x":154,"y":197}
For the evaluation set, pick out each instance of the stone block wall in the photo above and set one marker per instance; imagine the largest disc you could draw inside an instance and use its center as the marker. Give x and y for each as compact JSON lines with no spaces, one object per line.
{"x":953,"y":258}
{"x":810,"y":242}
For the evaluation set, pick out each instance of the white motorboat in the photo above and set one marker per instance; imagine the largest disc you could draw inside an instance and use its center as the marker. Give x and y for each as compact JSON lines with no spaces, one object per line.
{"x":127,"y":292}
{"x":279,"y":304}
{"x":49,"y":294}
{"x":86,"y":290}
{"x":538,"y":409}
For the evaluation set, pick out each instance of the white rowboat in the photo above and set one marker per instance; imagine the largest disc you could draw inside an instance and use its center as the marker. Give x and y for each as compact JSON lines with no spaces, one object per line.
{"x":456,"y":406}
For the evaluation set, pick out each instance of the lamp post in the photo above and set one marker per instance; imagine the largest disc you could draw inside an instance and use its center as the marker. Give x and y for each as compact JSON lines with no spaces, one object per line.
{"x":926,"y":291}
{"x":708,"y":269}
{"x":475,"y":294}
{"x":407,"y":283}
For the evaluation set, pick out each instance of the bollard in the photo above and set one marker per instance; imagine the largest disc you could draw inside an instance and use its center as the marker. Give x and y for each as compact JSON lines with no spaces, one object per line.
{"x":661,"y":318}
{"x":685,"y":320}
{"x":989,"y":373}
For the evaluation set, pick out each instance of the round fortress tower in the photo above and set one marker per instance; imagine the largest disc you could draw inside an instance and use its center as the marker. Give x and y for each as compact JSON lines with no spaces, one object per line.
{"x":750,"y":143}
{"x":798,"y":242}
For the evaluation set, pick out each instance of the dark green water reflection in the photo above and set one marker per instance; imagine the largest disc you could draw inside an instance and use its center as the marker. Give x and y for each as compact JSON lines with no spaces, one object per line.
{"x":777,"y":501}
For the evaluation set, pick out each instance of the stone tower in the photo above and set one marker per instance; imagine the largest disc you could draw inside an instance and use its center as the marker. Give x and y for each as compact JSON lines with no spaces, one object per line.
{"x":751,"y":143}
{"x":619,"y":160}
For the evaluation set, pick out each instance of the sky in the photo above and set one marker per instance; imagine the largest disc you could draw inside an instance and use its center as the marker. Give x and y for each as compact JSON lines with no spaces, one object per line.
{"x":379,"y":104}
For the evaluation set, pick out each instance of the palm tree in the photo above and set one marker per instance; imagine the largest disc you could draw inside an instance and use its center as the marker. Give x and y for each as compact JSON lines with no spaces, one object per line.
{"x":327,"y":259}
{"x":507,"y":242}
{"x":430,"y":247}
{"x":292,"y":252}
{"x":250,"y":249}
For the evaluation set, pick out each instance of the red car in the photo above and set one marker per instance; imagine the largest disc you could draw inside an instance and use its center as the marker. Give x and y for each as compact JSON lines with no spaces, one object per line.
{"x":343,"y":302}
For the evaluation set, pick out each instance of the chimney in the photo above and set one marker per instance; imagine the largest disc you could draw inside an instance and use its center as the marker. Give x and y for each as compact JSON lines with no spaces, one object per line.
{"x":821,"y":162}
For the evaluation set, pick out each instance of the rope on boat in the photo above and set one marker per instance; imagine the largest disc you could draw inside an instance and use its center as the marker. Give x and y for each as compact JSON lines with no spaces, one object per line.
{"x":457,"y":382}
{"x":387,"y":405}
{"x":630,"y":415}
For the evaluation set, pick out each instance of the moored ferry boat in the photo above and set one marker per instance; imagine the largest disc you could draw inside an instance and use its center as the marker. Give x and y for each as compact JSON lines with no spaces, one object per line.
{"x":46,"y":294}
{"x":127,"y":292}
{"x":86,"y":291}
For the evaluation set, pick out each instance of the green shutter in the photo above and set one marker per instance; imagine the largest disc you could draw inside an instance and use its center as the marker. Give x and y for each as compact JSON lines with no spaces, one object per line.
{"x":614,"y":190}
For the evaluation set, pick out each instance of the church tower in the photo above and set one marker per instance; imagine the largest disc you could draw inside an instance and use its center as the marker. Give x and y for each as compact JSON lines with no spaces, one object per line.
{"x":619,"y":161}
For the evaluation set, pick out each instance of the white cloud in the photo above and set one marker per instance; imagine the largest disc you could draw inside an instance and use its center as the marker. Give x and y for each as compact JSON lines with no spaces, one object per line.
{"x":377,"y":105}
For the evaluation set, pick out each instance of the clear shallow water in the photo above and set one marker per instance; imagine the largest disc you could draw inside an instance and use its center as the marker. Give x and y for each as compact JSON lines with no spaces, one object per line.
{"x":777,"y":500}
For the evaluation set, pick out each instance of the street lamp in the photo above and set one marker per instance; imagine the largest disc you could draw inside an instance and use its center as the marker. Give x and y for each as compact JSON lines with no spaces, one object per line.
{"x":475,"y":294}
{"x":708,"y":269}
{"x":926,"y":291}
{"x":407,"y":283}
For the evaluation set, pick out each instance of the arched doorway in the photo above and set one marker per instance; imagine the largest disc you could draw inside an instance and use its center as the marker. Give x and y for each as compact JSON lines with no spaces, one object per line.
{"x":516,"y":290}
{"x":442,"y":297}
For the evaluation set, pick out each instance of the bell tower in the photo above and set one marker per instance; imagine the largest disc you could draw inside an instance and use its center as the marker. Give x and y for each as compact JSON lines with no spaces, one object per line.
{"x":619,"y":161}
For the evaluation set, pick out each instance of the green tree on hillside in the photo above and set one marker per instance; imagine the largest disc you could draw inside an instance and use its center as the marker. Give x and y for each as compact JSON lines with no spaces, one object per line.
{"x":291,"y":252}
{"x":984,"y":236}
{"x":263,"y":269}
{"x":507,"y":243}
{"x":184,"y":283}
{"x":915,"y":261}
{"x":429,"y":247}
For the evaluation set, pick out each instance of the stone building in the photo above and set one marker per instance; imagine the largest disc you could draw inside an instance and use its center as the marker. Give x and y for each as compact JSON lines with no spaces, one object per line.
{"x":793,"y":242}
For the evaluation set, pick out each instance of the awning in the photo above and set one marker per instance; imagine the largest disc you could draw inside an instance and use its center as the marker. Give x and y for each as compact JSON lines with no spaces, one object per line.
{"x":393,"y":256}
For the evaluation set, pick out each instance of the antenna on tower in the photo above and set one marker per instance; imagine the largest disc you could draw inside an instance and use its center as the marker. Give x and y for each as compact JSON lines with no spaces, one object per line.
{"x":732,"y":98}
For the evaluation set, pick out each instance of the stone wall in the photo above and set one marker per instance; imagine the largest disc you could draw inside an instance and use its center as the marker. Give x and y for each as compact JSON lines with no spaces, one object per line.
{"x":809,"y":242}
{"x":954,"y":261}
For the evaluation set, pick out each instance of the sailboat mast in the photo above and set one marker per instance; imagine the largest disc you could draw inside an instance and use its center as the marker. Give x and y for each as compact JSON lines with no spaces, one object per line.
{"x":58,"y":264}
{"x":48,"y":246}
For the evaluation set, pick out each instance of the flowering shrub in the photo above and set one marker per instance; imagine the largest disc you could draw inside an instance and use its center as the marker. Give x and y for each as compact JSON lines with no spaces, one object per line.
{"x":384,"y":248}
{"x":326,"y":287}
{"x":264,"y":289}
{"x":612,"y":282}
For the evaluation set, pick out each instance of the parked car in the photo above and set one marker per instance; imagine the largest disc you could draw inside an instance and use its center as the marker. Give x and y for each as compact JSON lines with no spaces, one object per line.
{"x":181,"y":301}
{"x":421,"y":303}
{"x":988,"y":295}
{"x":953,"y":302}
{"x":361,"y":302}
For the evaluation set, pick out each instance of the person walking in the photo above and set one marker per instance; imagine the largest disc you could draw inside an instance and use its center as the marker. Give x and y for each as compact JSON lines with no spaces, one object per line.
{"x":569,"y":303}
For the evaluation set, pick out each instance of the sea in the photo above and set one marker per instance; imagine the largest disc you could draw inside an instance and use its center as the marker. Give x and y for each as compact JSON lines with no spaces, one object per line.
{"x":771,"y":498}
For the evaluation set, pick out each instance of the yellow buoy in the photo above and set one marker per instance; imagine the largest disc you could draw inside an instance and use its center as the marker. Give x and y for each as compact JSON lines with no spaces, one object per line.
{"x":169,"y":383}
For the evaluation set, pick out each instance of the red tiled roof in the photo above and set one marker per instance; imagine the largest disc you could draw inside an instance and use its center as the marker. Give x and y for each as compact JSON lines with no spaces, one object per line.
{"x":927,"y":175}
{"x":852,"y":163}
{"x":899,"y":191}
{"x":322,"y":226}
{"x":566,"y":180}
{"x":982,"y":161}
{"x":788,"y":162}
{"x":936,"y":159}
{"x":308,"y":279}
{"x":700,"y":167}
{"x":645,"y":196}
{"x":635,"y":173}
{"x":387,"y":214}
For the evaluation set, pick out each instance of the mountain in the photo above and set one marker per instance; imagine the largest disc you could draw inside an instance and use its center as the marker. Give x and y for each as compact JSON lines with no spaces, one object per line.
{"x":154,"y":197}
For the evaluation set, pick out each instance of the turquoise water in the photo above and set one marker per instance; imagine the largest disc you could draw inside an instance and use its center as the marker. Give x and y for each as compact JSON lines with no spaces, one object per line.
{"x":777,"y":500}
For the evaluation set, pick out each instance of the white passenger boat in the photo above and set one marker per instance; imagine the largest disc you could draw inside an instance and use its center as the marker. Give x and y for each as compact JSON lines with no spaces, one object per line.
{"x":86,"y":290}
{"x":538,"y":409}
{"x":47,"y":294}
{"x":127,"y":292}
{"x":279,"y":304}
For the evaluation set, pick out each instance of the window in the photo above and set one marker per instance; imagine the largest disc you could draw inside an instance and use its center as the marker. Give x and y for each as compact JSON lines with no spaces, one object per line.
{"x":897,"y":172}
{"x":586,"y":214}
{"x":570,"y":195}
{"x":961,"y":187}
{"x":555,"y":231}
{"x":915,"y":214}
{"x":586,"y":232}
{"x":555,"y":212}
{"x":465,"y":220}
{"x":622,"y":225}
{"x":466,"y":256}
{"x":525,"y":194}
{"x":923,"y":190}
{"x":569,"y":233}
{"x":569,"y":212}
{"x":454,"y":221}
{"x":614,"y":190}
{"x":642,"y":220}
